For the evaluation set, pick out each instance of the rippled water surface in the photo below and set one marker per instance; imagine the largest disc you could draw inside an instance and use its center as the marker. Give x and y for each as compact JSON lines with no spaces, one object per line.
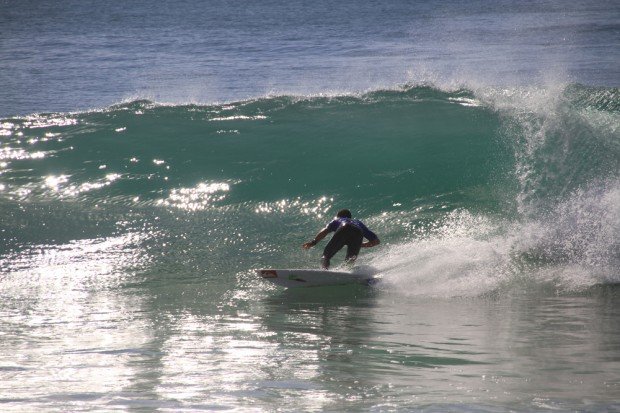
{"x":71,"y":341}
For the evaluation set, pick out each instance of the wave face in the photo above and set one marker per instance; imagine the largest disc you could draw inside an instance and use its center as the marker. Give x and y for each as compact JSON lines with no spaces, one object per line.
{"x":471,"y":191}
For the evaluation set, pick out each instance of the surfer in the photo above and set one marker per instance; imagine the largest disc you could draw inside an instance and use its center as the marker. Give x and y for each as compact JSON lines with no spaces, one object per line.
{"x":348,"y":231}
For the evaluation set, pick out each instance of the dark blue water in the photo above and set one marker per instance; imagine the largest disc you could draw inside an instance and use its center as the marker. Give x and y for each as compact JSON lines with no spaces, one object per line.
{"x":75,"y":55}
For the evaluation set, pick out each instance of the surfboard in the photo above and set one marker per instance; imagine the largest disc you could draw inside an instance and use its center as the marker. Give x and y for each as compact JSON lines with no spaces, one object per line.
{"x":294,"y":278}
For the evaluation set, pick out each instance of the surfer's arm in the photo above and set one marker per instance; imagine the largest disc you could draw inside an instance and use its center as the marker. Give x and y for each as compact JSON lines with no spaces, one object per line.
{"x":322,"y":234}
{"x":372,"y":238}
{"x":371,"y":243}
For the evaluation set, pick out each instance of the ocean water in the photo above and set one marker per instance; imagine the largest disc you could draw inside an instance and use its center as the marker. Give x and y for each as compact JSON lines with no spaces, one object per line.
{"x":153,"y":154}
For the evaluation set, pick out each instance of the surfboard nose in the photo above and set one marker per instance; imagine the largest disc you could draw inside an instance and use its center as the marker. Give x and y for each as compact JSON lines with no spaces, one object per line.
{"x":267,"y":273}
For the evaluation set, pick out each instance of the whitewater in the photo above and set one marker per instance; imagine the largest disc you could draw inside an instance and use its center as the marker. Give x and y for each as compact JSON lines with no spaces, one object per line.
{"x":152,"y":157}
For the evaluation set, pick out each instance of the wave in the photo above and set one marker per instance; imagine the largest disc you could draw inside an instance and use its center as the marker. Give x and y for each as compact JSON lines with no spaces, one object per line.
{"x":125,"y":149}
{"x":479,"y":186}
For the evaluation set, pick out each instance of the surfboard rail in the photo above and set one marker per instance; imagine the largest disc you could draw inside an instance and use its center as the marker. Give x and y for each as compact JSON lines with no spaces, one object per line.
{"x":292,"y":278}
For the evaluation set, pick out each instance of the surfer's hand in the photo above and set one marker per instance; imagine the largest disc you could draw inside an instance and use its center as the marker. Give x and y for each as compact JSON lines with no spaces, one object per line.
{"x":310,"y":244}
{"x":370,"y":244}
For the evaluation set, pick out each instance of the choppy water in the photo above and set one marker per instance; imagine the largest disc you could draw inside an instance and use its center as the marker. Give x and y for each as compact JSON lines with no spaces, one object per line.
{"x":76,"y":55}
{"x":129,"y":233}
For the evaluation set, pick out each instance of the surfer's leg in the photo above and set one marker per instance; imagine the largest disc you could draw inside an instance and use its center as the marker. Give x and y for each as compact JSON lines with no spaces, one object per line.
{"x":355,"y":238}
{"x":334,"y":245}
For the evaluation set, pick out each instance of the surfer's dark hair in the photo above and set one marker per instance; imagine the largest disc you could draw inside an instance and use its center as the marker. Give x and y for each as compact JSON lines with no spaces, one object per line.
{"x":343,"y":213}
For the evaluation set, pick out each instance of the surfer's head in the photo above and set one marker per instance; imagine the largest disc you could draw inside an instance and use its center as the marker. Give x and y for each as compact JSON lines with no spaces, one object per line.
{"x":343,"y":213}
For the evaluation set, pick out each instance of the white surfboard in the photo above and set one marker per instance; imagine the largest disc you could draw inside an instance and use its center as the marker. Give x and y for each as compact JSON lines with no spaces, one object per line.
{"x":292,"y":278}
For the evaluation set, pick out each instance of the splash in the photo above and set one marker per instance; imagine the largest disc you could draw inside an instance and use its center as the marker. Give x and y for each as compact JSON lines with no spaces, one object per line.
{"x":569,"y":248}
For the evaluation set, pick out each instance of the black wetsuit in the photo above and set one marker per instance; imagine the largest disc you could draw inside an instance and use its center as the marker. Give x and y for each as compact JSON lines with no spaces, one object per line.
{"x":349,"y":232}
